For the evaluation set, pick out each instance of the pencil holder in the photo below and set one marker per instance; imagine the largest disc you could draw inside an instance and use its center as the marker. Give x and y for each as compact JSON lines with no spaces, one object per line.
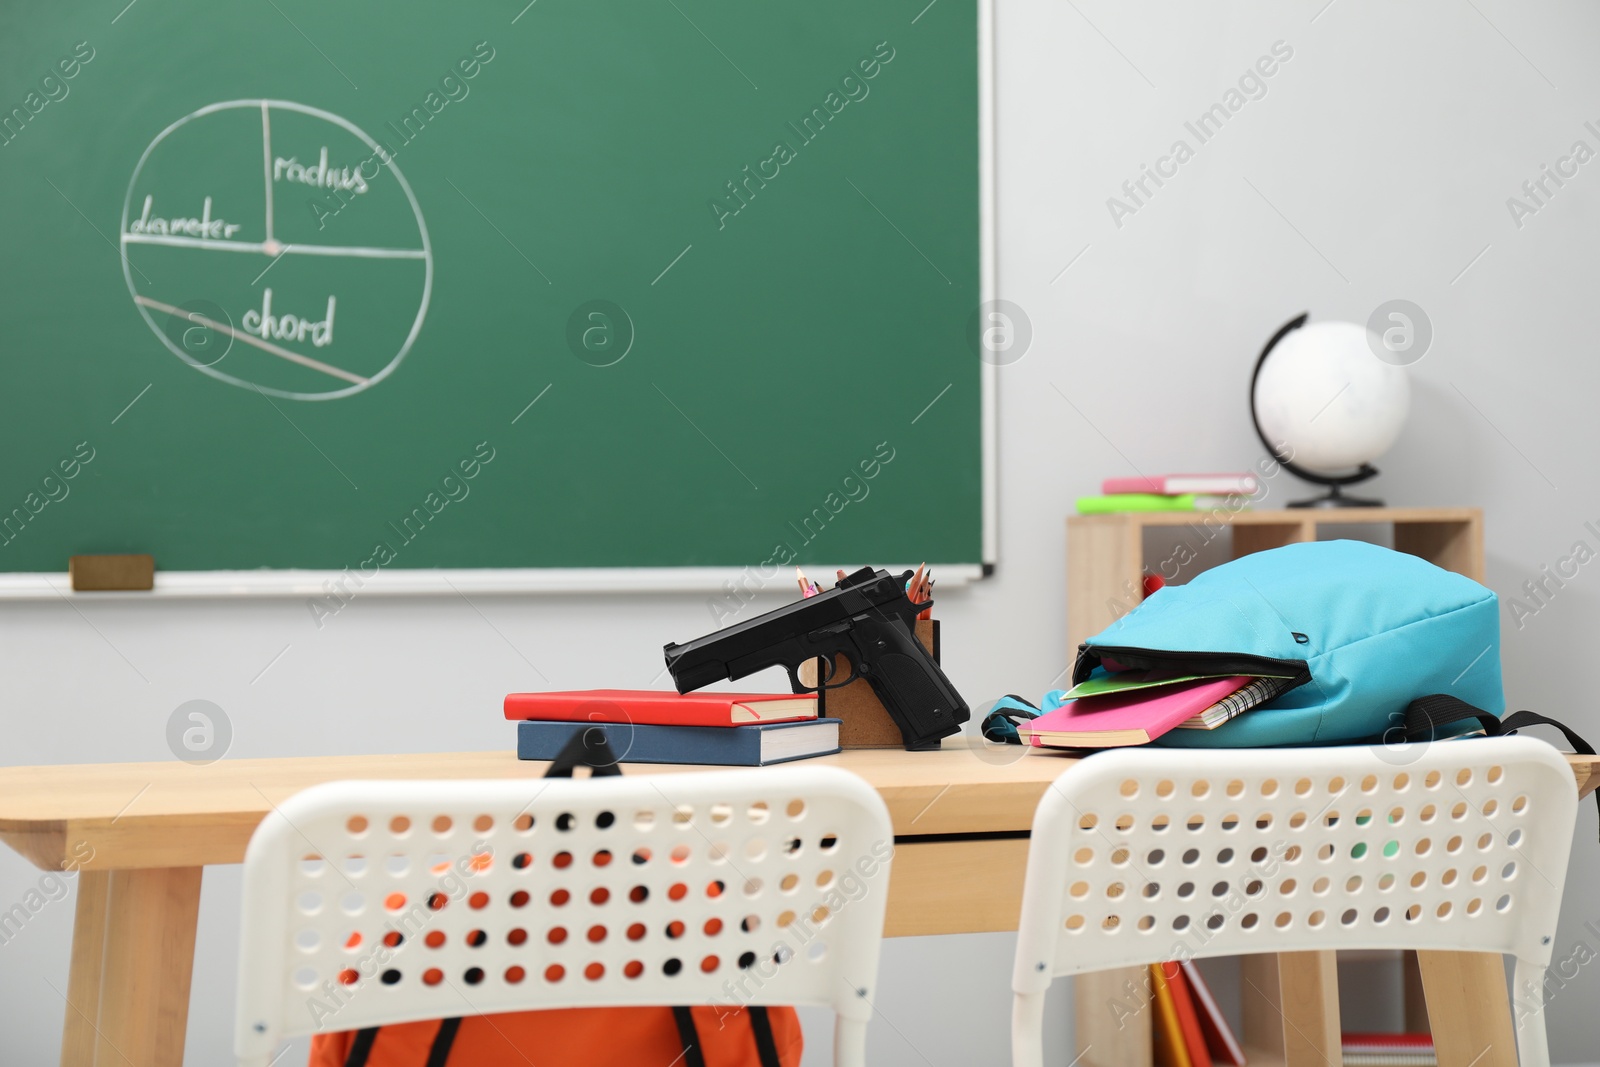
{"x":863,"y":720}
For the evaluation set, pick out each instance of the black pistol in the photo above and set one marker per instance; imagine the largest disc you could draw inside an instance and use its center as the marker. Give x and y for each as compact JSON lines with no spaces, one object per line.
{"x":868,"y":619}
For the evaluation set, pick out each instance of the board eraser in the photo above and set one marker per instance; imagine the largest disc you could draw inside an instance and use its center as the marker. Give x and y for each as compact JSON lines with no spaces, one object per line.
{"x":104,"y":573}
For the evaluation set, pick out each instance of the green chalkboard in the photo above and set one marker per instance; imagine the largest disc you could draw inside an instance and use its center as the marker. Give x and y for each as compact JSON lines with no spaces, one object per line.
{"x":582,"y":283}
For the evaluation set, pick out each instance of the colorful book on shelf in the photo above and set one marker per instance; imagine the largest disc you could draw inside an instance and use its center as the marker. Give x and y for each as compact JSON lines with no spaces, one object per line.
{"x":1387,"y":1050}
{"x":652,"y":707}
{"x":754,"y":745}
{"x":1220,"y":1042}
{"x":1119,"y":719}
{"x":1178,"y":484}
{"x":1171,"y":1050}
{"x":1118,"y":503}
{"x":1194,"y":1039}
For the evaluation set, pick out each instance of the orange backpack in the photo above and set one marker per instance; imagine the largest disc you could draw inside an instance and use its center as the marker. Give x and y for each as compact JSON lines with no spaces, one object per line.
{"x":590,"y":1037}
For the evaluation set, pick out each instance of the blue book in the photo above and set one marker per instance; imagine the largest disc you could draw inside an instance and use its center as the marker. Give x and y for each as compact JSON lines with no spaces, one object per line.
{"x":755,"y":745}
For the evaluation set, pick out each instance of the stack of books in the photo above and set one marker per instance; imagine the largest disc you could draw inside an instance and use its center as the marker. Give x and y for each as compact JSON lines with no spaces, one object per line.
{"x":1189,"y":1029}
{"x":1171,"y":492}
{"x":1110,"y":709}
{"x":650,"y":726}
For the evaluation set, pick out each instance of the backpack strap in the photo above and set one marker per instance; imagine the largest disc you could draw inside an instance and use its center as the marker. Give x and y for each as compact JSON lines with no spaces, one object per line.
{"x":443,"y":1041}
{"x":766,"y":1044}
{"x":589,"y":748}
{"x":1518,"y":719}
{"x":689,"y":1037}
{"x":1009,"y":712}
{"x":438,"y":1054}
{"x":361,"y":1047}
{"x":1425,"y":714}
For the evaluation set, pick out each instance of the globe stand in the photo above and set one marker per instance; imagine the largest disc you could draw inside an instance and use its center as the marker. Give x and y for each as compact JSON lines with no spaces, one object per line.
{"x":1334,"y":498}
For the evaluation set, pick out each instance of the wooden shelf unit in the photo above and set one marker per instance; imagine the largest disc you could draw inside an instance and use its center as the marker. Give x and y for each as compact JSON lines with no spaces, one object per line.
{"x":1105,"y":553}
{"x":1105,"y":570}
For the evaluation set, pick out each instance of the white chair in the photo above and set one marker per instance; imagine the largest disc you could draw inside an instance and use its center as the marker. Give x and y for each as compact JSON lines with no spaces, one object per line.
{"x":1145,"y":855}
{"x":372,"y":902}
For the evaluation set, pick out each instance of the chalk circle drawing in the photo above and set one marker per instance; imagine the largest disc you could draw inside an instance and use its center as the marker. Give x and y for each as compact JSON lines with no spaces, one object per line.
{"x":336,"y":269}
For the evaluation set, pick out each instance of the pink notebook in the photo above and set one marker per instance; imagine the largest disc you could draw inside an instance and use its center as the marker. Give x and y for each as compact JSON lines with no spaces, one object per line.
{"x":1133,"y":718}
{"x":1176,"y":484}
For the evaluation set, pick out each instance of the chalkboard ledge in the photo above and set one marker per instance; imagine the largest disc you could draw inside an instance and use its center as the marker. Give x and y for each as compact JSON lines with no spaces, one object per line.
{"x":415,"y":582}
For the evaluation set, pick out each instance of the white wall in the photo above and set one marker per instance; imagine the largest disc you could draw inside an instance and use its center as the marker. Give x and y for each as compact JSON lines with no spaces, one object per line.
{"x":1384,"y":150}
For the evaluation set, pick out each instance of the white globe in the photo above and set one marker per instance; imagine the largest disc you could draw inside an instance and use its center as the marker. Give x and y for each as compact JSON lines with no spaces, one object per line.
{"x":1327,"y":402}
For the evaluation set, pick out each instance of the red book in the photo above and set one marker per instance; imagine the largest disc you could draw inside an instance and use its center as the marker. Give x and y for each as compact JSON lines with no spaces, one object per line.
{"x":1362,"y":1041}
{"x":1224,"y":1047}
{"x":1178,"y":484}
{"x":651,"y":707}
{"x":1188,"y":1019}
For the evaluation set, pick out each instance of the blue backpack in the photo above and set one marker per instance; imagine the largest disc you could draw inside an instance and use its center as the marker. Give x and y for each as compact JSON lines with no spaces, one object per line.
{"x":1363,"y":630}
{"x":1380,"y":647}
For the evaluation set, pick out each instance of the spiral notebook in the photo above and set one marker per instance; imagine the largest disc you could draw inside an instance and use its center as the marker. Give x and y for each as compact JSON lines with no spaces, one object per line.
{"x":1134,"y":718}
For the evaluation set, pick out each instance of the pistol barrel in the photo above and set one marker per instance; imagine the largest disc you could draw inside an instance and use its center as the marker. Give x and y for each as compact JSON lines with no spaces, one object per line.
{"x":727,"y":653}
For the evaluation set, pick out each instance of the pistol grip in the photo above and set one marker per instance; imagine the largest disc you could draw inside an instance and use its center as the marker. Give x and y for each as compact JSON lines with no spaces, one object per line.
{"x":923,"y":713}
{"x":910,"y":685}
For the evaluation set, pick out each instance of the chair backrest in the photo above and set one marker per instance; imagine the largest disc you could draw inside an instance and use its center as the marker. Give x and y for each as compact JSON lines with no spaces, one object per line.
{"x":1156,"y":854}
{"x":371,"y":902}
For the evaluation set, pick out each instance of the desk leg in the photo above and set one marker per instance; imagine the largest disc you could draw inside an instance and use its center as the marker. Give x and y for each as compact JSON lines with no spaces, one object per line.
{"x":1469,"y":1008}
{"x":1308,"y":982}
{"x":1291,"y":1008}
{"x":1114,"y":1016}
{"x":132,"y":957}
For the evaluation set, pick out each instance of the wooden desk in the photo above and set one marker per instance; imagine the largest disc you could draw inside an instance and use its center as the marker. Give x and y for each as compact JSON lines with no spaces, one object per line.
{"x":139,"y":834}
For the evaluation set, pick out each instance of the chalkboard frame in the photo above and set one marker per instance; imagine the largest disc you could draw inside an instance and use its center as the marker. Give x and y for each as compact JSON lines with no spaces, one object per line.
{"x":269,"y":582}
